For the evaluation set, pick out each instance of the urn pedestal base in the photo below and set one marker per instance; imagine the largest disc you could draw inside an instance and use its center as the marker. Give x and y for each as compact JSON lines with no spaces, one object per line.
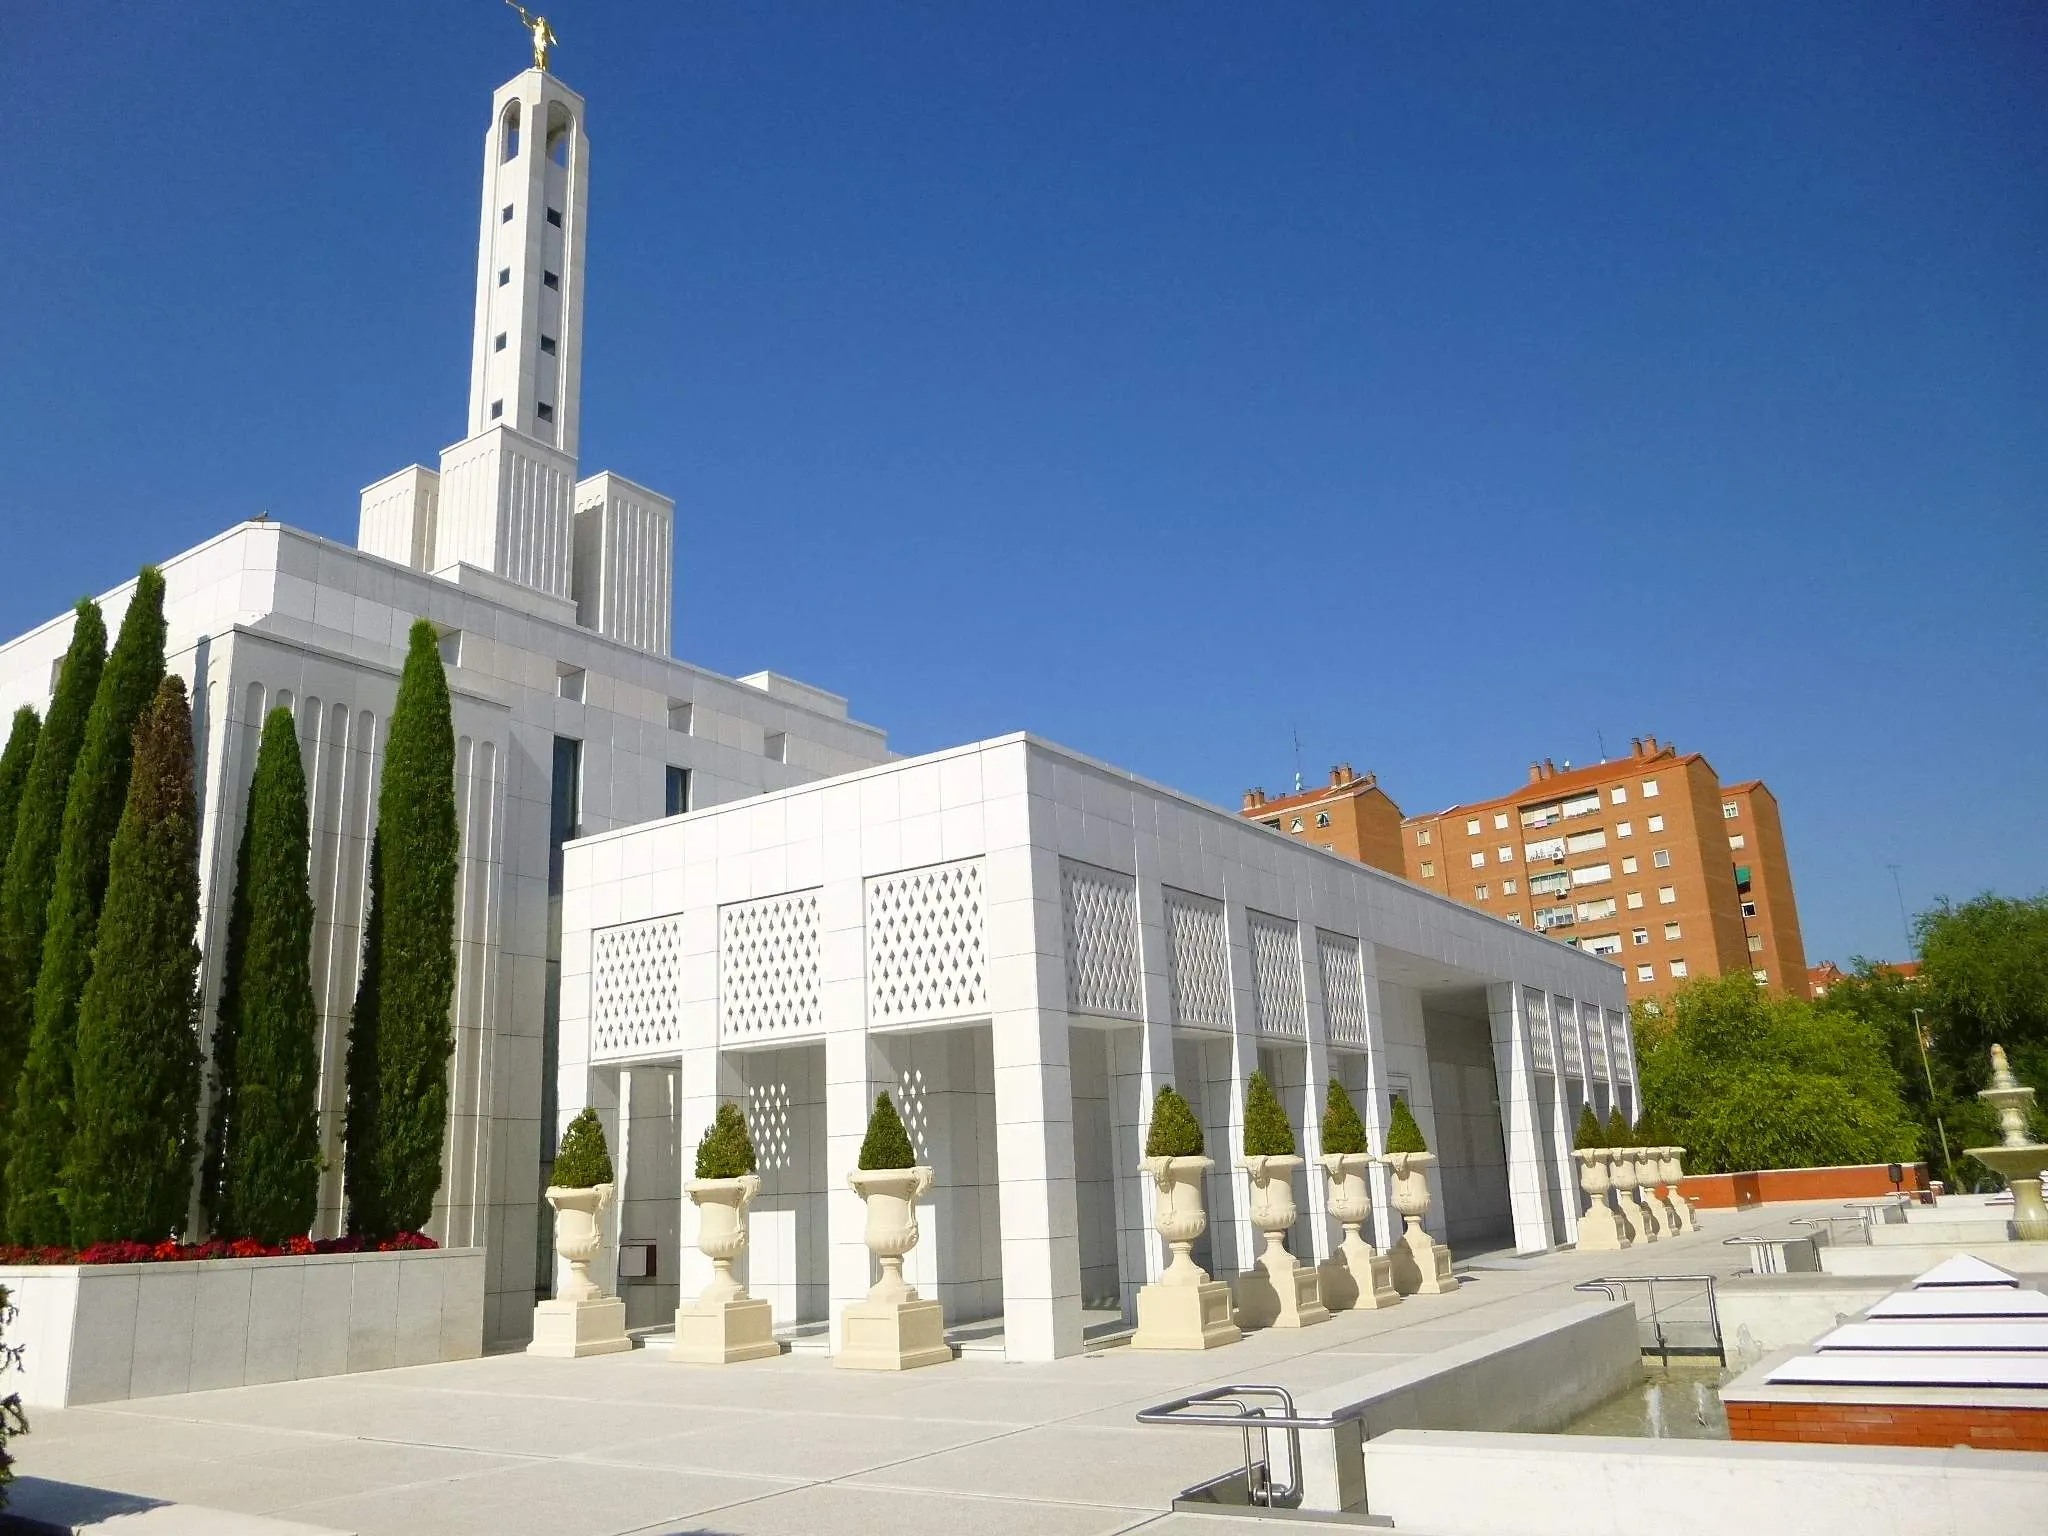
{"x":1641,"y":1223}
{"x":1599,"y":1232}
{"x":1354,"y":1278}
{"x":725,"y":1332}
{"x":892,"y":1335}
{"x":569,"y":1330}
{"x":1185,"y":1317}
{"x":1279,"y":1295}
{"x":1422,"y":1265}
{"x":1678,"y":1215}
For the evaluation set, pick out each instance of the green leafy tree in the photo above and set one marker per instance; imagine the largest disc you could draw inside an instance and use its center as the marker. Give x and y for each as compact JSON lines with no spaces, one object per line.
{"x":887,"y":1144}
{"x":402,"y":1036}
{"x":1744,"y":1079}
{"x":264,"y":1162}
{"x":583,"y":1161}
{"x":32,"y":855}
{"x":1175,"y":1132}
{"x":726,"y":1150}
{"x":93,"y":807}
{"x":1985,"y":965}
{"x":1266,"y":1131}
{"x":130,"y":1169}
{"x":1403,"y":1134}
{"x":1343,"y":1131}
{"x":14,"y":765}
{"x":1589,"y":1133}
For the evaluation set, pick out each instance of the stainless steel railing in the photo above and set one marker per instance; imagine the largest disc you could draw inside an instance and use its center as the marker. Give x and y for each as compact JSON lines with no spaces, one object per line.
{"x":1674,"y":1328}
{"x":1257,"y":1411}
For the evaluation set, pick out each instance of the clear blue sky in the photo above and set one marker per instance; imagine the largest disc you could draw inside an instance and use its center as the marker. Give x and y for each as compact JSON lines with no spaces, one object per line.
{"x":1449,"y":386}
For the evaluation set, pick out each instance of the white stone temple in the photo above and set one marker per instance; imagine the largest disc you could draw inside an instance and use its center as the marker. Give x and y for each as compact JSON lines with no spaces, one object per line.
{"x":677,"y":886}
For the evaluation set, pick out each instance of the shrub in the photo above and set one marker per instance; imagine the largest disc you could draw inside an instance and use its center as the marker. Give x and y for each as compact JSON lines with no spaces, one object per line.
{"x":1403,"y":1134}
{"x":401,"y":1037}
{"x":583,"y":1161}
{"x":93,"y":808}
{"x":1266,"y":1131}
{"x":1175,"y":1131}
{"x":1343,"y":1131}
{"x":15,"y":763}
{"x":1619,"y":1134}
{"x":887,"y":1144}
{"x":130,"y":1169}
{"x":1589,"y":1133}
{"x":727,"y":1151}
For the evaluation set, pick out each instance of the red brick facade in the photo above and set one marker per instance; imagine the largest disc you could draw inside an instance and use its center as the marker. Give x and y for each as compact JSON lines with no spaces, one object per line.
{"x":1987,"y":1429}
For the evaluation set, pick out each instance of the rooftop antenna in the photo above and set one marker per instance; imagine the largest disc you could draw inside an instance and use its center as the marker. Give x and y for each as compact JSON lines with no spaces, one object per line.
{"x":1899,"y":891}
{"x":1602,"y":735}
{"x":1297,"y":757}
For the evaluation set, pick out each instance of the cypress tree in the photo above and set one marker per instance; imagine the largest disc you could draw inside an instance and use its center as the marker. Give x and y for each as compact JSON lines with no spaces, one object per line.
{"x":1266,"y":1131}
{"x":42,"y":1128}
{"x":264,"y":1140}
{"x":1403,"y":1134}
{"x":32,"y":856}
{"x":1343,"y":1131}
{"x":14,"y":766}
{"x":402,"y":1031}
{"x":1175,"y":1132}
{"x":1590,"y":1134}
{"x":129,"y":1174}
{"x":887,"y":1143}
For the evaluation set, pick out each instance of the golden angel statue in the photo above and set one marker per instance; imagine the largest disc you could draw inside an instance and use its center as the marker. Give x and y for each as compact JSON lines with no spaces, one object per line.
{"x":543,"y":35}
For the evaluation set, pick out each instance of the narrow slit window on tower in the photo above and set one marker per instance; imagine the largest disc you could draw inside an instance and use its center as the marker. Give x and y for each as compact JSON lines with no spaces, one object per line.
{"x":498,"y":342}
{"x":560,"y":126}
{"x":550,"y":280}
{"x":505,"y":216}
{"x":497,"y":409}
{"x":544,"y":411}
{"x":504,"y":276}
{"x":555,"y":217}
{"x":547,"y":345}
{"x":511,"y":132}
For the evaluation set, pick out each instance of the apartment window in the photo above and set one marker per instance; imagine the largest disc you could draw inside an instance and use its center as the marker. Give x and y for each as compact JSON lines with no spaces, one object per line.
{"x":1737,"y":842}
{"x":1618,"y":795}
{"x":1322,"y":818}
{"x":1593,"y":911}
{"x":1472,"y":827}
{"x":498,"y":342}
{"x":1555,"y":917}
{"x":1592,"y":874}
{"x":1639,"y":936}
{"x":555,"y":217}
{"x":1756,"y":943}
{"x":775,"y":746}
{"x":547,"y":346}
{"x":677,"y":793}
{"x":1670,"y":932}
{"x":1274,"y":823}
{"x":1500,"y":821}
{"x":1294,"y":824}
{"x":1650,"y":790}
{"x":1730,"y":810}
{"x":505,"y":214}
{"x":1628,"y":864}
{"x":569,"y":683}
{"x":1678,"y":970}
{"x":1422,"y":837}
{"x":1656,"y":823}
{"x":550,"y":280}
{"x":1667,"y":895}
{"x":544,"y":411}
{"x":1507,"y":887}
{"x":1505,"y":855}
{"x":679,"y":711}
{"x":1428,"y":869}
{"x":1762,"y":977}
{"x":1635,"y":900}
{"x":1749,"y":909}
{"x":1555,"y":884}
{"x":1624,"y":829}
{"x":1605,"y":944}
{"x":1515,"y":918}
{"x":1479,"y":859}
{"x":1480,"y":893}
{"x":1582,"y":805}
{"x":504,"y":276}
{"x":1661,"y":858}
{"x":1742,"y":879}
{"x":497,"y":409}
{"x":1646,"y":973}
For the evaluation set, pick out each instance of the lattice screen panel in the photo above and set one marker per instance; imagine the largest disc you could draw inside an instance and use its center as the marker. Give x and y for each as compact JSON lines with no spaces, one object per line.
{"x":635,"y":971}
{"x":1618,"y":1041}
{"x":1569,"y":1038}
{"x":925,"y":944}
{"x":1343,"y":989}
{"x":1542,"y":1052}
{"x":1276,"y":973}
{"x":1100,"y":914}
{"x":1200,"y":956}
{"x":1596,"y":1038}
{"x":768,"y":968}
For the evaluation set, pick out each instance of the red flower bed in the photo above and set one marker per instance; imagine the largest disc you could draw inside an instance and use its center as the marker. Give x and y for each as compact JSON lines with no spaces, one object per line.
{"x":214,"y":1248}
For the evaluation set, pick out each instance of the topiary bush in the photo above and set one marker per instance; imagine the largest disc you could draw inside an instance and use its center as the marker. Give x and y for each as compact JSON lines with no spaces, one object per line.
{"x":1589,"y":1132}
{"x":887,"y":1144}
{"x":1343,"y":1131}
{"x":1175,"y":1131}
{"x":1618,"y":1133}
{"x":1266,"y":1131}
{"x":583,"y":1161}
{"x":727,"y":1151}
{"x":1403,"y":1134}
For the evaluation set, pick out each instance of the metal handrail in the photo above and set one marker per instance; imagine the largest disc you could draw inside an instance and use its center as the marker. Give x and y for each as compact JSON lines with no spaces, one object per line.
{"x":1605,"y":1286}
{"x":1228,"y":1405}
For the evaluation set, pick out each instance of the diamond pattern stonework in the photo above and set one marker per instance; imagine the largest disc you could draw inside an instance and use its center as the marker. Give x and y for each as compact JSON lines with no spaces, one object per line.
{"x":1542,"y":1054}
{"x":768,"y":967}
{"x":1276,"y":970}
{"x":925,"y":947}
{"x":633,"y":973}
{"x":1200,"y":961}
{"x":1343,"y":989}
{"x":1596,"y":1038}
{"x":1569,"y":1039}
{"x":1101,"y":919}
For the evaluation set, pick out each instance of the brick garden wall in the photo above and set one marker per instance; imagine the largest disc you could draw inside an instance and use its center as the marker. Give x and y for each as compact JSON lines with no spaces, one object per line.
{"x":1740,"y":1191}
{"x":1987,"y":1429}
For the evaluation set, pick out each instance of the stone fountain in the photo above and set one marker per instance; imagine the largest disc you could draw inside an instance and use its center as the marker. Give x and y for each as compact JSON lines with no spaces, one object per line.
{"x":2019,"y":1160}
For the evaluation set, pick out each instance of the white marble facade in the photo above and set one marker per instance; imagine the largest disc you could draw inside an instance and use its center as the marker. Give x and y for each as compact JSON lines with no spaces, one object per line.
{"x":1023,"y":945}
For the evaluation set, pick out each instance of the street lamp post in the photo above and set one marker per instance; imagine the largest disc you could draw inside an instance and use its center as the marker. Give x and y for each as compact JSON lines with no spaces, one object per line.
{"x":1920,"y":1035}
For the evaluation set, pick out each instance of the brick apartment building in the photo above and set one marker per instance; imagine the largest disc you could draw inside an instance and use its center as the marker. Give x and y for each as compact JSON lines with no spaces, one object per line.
{"x":1649,"y":860}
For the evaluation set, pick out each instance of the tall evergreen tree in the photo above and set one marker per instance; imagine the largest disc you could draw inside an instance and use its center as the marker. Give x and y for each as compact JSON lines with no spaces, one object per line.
{"x":129,"y":1174}
{"x":40,"y":1134}
{"x":14,"y":766}
{"x":32,"y":856}
{"x":402,"y":1036}
{"x":264,"y":1177}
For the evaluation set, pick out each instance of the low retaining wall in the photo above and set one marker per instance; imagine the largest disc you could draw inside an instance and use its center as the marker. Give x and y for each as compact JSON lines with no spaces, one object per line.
{"x":1766,"y":1314}
{"x":97,"y":1333}
{"x":1904,"y":1261}
{"x":1452,"y":1484}
{"x":1740,"y":1191}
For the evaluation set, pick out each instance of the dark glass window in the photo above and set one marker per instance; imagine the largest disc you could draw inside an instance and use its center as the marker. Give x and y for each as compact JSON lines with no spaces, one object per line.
{"x":678,"y":791}
{"x":549,"y":280}
{"x":555,"y":217}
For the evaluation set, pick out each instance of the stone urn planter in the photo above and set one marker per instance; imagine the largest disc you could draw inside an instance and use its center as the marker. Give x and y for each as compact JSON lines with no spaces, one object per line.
{"x":893,"y":1329}
{"x":724,"y":1325}
{"x":1183,"y":1308}
{"x":1278,"y":1291}
{"x":581,"y":1320}
{"x":1636,"y":1220}
{"x":1599,"y":1232}
{"x":1677,"y":1213}
{"x":1645,"y":1194}
{"x":1354,"y":1276}
{"x":1421,"y":1265}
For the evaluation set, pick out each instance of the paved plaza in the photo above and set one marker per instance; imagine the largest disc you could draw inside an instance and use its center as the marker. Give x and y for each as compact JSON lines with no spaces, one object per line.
{"x":635,"y":1443}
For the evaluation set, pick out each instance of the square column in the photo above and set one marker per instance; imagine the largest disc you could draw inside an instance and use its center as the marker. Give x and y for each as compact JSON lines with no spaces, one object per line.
{"x":1520,"y":1118}
{"x":1140,"y":1064}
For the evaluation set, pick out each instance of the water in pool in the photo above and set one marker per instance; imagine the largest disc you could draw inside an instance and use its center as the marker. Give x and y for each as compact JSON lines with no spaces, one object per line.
{"x":1678,"y":1401}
